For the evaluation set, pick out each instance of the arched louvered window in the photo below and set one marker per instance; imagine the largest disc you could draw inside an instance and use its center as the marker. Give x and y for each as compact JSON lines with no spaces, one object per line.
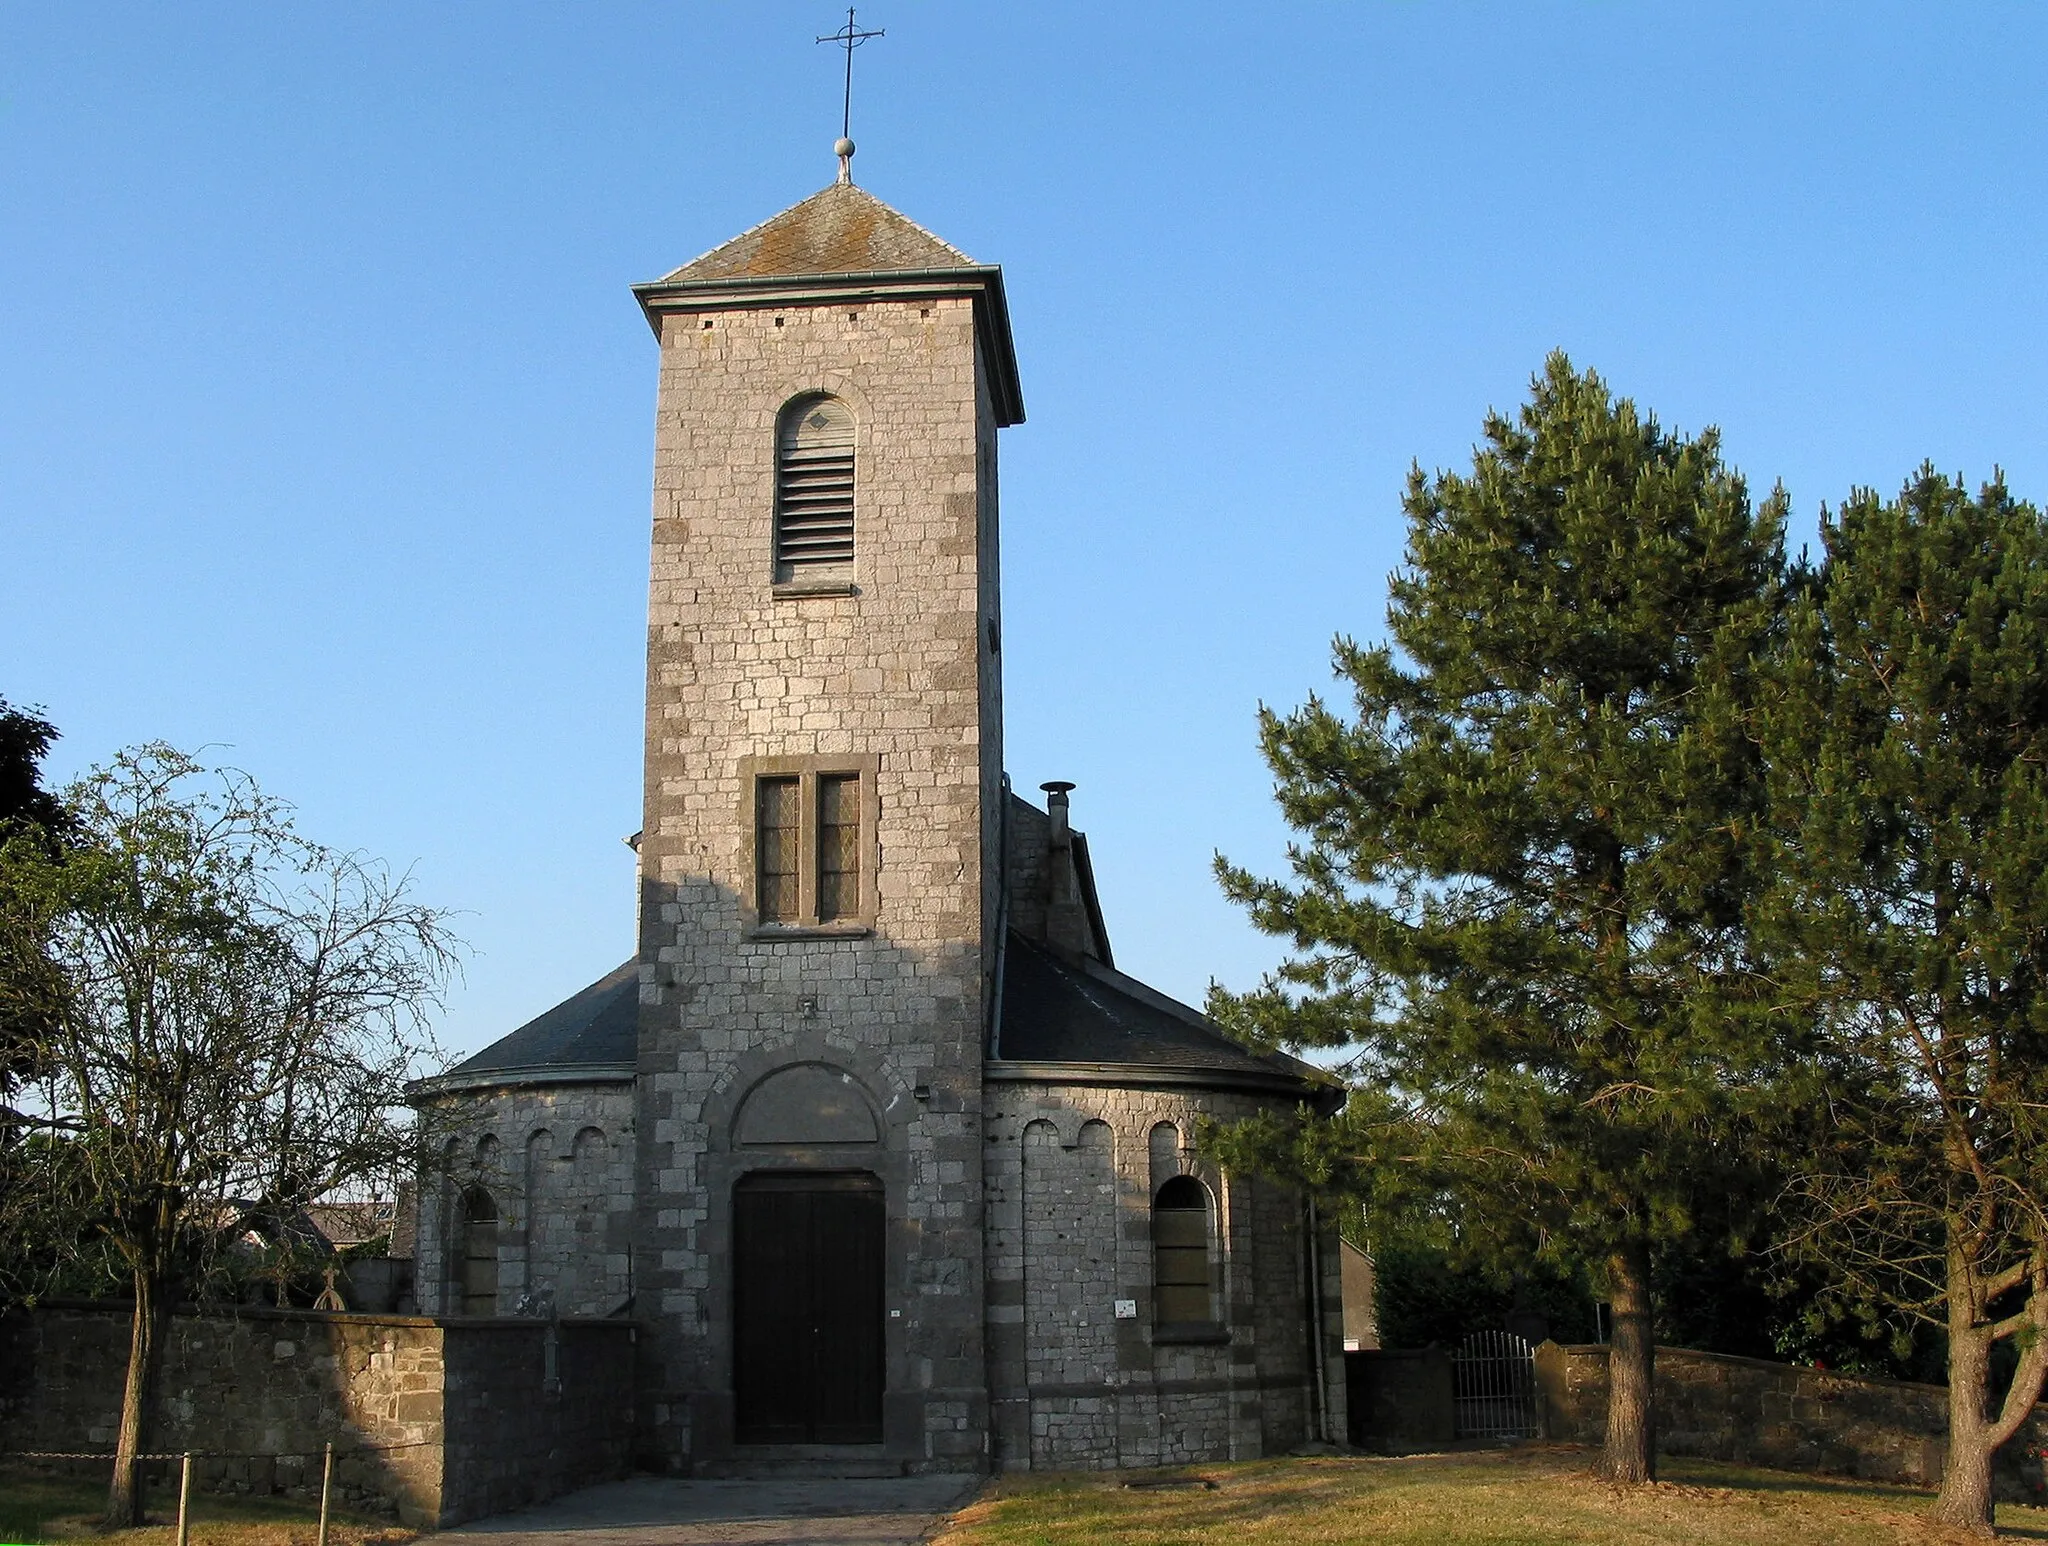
{"x":814,"y":491}
{"x":1182,"y":1291}
{"x":479,"y":1262}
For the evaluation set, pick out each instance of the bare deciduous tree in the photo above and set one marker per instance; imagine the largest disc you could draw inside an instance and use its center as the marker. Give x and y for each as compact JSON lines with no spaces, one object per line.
{"x":240,"y":1011}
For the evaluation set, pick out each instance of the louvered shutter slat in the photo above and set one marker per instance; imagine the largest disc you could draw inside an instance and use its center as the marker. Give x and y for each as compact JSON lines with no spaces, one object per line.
{"x":814,"y":479}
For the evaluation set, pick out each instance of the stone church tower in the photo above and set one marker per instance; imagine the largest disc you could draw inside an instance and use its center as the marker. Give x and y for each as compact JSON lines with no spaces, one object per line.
{"x":822,"y":690}
{"x":888,"y":1162}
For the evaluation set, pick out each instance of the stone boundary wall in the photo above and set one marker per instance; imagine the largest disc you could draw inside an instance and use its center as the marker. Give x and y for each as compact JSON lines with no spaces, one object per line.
{"x":434,"y":1421}
{"x":526,"y":1420}
{"x":1754,"y":1412}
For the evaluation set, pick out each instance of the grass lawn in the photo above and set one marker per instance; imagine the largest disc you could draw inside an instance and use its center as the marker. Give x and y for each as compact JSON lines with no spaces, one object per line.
{"x":1537,"y":1495}
{"x":42,"y":1509}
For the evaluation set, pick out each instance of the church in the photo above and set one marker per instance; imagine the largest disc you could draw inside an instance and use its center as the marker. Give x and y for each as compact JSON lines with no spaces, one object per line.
{"x":890,"y":1166}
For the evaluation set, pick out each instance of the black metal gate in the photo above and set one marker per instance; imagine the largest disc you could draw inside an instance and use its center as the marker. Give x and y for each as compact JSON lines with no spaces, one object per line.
{"x":807,"y":1309}
{"x":1493,"y":1387}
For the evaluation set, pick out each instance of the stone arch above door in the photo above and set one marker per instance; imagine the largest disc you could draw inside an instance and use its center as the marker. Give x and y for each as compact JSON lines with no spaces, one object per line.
{"x":806,"y":1104}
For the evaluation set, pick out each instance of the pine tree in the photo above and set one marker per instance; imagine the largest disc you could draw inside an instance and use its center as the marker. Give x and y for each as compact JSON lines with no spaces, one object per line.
{"x":1519,"y":890}
{"x":1908,"y":742}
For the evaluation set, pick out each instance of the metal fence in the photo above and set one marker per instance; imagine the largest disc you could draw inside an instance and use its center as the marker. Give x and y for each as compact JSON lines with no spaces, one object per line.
{"x":1493,"y":1387}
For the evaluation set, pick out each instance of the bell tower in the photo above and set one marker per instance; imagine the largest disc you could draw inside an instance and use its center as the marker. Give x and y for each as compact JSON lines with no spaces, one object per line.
{"x":819,"y":859}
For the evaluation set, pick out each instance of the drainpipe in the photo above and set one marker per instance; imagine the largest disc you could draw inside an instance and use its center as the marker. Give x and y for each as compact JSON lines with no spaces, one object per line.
{"x":1313,"y":1241}
{"x":1001,"y":942}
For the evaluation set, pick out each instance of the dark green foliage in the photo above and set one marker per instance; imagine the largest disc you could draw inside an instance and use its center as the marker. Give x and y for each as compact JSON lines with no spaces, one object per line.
{"x":1427,"y":1290}
{"x":31,"y":987}
{"x":25,"y":739}
{"x":1908,"y":740}
{"x":1910,"y":768}
{"x":1424,"y":1293}
{"x":1518,"y":895}
{"x":1810,"y":1324}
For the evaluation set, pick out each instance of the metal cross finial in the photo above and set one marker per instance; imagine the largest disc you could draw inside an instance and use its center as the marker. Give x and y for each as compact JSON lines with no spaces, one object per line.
{"x":848,"y":37}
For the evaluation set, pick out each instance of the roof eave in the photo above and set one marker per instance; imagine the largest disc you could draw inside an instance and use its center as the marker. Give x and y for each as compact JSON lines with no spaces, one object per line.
{"x":1150,"y":1076}
{"x":456,"y":1083}
{"x":981,"y":283}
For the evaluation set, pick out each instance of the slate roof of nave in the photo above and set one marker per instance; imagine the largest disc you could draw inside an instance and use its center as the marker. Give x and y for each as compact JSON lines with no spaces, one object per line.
{"x":1069,"y":1009}
{"x":1055,"y":1009}
{"x":841,"y":229}
{"x":599,"y":1025}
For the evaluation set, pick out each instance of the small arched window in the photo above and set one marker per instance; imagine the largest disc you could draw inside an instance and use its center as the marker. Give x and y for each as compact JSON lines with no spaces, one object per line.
{"x":1181,"y":1278}
{"x":479,"y":1264}
{"x":814,"y":491}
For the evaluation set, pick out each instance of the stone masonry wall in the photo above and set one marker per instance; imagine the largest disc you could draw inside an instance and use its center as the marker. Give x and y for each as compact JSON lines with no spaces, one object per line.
{"x":557,"y":1160}
{"x":1753,"y":1412}
{"x":899,"y":670}
{"x":533,"y":1411}
{"x":431,"y":1421}
{"x":258,"y":1393}
{"x":1070,"y":1257}
{"x":1071,"y":1173}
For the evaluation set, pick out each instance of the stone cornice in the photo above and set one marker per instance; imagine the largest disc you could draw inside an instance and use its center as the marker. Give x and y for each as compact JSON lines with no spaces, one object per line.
{"x":1145,"y":1076}
{"x":510,"y":1078}
{"x":982,"y":284}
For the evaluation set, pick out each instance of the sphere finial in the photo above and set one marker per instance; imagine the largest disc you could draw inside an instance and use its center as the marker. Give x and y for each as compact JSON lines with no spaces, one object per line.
{"x":848,"y":37}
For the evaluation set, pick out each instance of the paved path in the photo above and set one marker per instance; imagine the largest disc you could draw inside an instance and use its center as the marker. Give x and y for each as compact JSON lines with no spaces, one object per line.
{"x":657,"y":1511}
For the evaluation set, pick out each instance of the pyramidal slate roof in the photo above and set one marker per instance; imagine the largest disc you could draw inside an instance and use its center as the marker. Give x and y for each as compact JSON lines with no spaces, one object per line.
{"x":839,"y":246}
{"x":1058,"y":1009}
{"x":592,"y":1033}
{"x":841,"y":229}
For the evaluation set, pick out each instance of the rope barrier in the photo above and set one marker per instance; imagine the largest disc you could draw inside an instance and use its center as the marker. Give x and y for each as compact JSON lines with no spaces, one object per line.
{"x":217,"y":1454}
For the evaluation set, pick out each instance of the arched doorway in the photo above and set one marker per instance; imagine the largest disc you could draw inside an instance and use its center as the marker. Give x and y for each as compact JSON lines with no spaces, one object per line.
{"x":807,"y":1308}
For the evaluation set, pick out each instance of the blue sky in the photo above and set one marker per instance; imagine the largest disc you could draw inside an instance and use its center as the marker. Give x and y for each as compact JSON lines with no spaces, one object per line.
{"x":325,"y":412}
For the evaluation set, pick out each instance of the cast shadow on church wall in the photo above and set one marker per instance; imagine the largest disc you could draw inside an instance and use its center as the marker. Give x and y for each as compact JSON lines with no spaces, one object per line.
{"x":527,"y":1208}
{"x":846,"y":1055}
{"x":1074,"y":1176}
{"x":810,"y":1105}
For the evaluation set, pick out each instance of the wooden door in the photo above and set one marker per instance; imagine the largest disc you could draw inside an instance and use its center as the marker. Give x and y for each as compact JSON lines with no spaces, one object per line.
{"x":807,"y":1309}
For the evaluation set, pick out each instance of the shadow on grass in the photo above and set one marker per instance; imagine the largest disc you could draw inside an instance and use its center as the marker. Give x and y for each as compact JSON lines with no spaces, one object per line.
{"x":1532,"y":1493}
{"x":2018,"y":1521}
{"x":42,"y":1507}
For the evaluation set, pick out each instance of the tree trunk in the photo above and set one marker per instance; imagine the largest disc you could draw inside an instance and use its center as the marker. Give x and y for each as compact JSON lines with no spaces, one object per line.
{"x":1974,"y":1434}
{"x":145,"y":1335}
{"x":1965,"y":1499}
{"x":1631,"y":1452}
